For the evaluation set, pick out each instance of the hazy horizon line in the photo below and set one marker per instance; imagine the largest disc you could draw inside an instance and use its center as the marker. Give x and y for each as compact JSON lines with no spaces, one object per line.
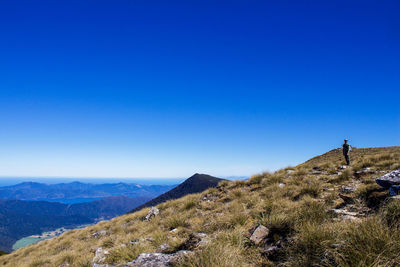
{"x":104,"y":177}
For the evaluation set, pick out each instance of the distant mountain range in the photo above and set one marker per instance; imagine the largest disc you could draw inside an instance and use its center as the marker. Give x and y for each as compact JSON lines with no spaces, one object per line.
{"x":30,"y":208}
{"x":24,"y":218}
{"x":22,"y":213}
{"x":195,"y":184}
{"x":68,"y":192}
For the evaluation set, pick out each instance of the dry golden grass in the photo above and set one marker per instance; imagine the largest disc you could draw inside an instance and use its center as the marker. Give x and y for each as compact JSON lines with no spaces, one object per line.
{"x":298,"y":212}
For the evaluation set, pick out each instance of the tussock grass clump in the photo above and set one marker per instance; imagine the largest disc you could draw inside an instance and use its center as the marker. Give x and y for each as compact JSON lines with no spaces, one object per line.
{"x":236,"y":193}
{"x":311,"y":210}
{"x":107,"y":243}
{"x":237,"y":218}
{"x":126,"y":253}
{"x":300,"y":172}
{"x":391,"y":213}
{"x":215,"y":255}
{"x":346,"y":175}
{"x":212,"y":191}
{"x":279,"y":223}
{"x":239,"y":183}
{"x":272,"y":179}
{"x":311,"y":245}
{"x":175,"y":221}
{"x":249,"y":201}
{"x":327,"y":166}
{"x":369,"y":243}
{"x":39,"y":263}
{"x":312,"y":189}
{"x":224,"y":183}
{"x":256,"y":179}
{"x":190,"y":202}
{"x":365,"y":190}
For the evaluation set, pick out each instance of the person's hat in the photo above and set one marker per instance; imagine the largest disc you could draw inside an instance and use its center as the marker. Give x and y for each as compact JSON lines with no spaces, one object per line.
{"x":346,"y":140}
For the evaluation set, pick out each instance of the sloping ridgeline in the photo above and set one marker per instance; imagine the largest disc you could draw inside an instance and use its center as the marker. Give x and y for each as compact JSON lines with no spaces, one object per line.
{"x":195,"y":184}
{"x":318,"y":213}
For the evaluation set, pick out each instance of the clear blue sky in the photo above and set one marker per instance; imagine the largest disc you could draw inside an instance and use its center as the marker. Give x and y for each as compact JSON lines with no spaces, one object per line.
{"x":169,"y":88}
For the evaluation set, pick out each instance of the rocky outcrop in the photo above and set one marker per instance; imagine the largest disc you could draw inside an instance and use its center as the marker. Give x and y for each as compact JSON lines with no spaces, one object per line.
{"x":100,"y":255}
{"x":209,"y":197}
{"x":152,"y":213}
{"x":389,"y":179}
{"x":344,"y":214}
{"x":99,"y":234}
{"x":156,"y":259}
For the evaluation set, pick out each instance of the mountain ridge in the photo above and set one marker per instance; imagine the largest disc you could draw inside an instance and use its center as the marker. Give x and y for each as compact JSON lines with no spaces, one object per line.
{"x":194,"y":184}
{"x":318,"y":213}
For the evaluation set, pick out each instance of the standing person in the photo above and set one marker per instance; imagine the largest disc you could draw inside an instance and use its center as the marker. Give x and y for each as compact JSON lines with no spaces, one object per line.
{"x":346,"y":151}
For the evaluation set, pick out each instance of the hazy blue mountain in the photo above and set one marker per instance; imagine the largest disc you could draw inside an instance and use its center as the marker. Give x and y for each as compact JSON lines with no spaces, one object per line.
{"x":8,"y":181}
{"x":78,"y":192}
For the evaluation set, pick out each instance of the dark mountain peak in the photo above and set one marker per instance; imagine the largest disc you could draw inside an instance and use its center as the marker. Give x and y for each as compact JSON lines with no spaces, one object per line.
{"x":195,"y":184}
{"x":196,"y":176}
{"x":201,"y":176}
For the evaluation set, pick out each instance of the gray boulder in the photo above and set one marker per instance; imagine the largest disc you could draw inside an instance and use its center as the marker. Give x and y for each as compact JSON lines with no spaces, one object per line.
{"x":156,"y":259}
{"x":389,"y":179}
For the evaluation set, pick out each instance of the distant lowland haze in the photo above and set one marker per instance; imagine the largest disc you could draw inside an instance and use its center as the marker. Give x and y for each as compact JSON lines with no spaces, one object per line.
{"x":5,"y":181}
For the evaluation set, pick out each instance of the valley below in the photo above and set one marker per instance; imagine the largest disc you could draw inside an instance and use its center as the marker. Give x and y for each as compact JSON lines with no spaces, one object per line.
{"x":33,"y":239}
{"x":31,"y":212}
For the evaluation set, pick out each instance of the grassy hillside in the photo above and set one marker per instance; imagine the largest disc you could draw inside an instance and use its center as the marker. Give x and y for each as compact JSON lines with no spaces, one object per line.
{"x":317,"y":215}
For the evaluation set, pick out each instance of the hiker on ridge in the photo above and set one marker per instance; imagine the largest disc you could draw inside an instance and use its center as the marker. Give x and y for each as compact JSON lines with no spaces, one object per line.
{"x":346,"y":151}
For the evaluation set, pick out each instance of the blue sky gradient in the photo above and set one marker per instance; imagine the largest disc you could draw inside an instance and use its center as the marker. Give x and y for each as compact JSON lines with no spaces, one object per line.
{"x":170,"y":88}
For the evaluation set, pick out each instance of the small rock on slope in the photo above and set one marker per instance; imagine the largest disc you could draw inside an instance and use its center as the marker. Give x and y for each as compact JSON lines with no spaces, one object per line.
{"x":100,"y":233}
{"x":156,"y":259}
{"x":152,"y":213}
{"x":259,"y":234}
{"x":100,"y":255}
